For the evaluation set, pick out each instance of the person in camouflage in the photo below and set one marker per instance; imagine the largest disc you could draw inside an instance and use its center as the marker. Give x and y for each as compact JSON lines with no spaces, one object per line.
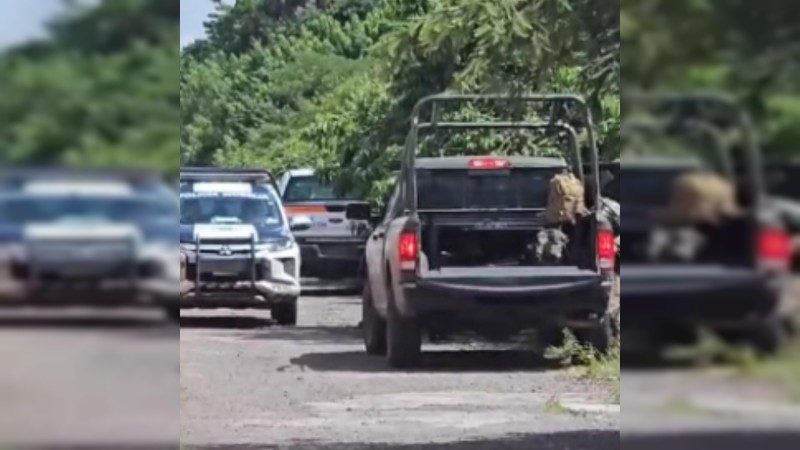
{"x":565,"y":205}
{"x":697,"y":198}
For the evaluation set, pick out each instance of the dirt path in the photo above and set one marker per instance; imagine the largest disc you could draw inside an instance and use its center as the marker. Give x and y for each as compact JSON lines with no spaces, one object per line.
{"x":245,"y":382}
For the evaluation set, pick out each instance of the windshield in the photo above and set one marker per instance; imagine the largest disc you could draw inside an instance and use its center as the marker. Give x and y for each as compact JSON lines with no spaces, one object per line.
{"x":306,"y":189}
{"x":56,"y":209}
{"x":213,"y":209}
{"x":463,"y":189}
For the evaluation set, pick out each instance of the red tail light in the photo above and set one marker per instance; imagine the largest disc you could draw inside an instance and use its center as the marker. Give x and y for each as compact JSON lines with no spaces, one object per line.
{"x":409,"y":250}
{"x":489,"y":164}
{"x":606,"y":249}
{"x":774,"y":248}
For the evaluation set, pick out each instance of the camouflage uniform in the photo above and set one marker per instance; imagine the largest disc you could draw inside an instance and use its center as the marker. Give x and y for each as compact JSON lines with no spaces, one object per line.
{"x":701,"y":197}
{"x":565,"y":205}
{"x":565,"y":200}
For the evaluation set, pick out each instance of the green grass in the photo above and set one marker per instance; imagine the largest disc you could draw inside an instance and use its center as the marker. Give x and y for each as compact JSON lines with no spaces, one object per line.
{"x":554,"y":407}
{"x":592,"y":366}
{"x":782,"y":370}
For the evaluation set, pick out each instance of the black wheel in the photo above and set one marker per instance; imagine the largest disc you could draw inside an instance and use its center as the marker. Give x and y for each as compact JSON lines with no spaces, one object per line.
{"x":600,"y":336}
{"x":173,"y":313}
{"x":790,"y":325}
{"x":373,"y":326}
{"x":403,"y":339}
{"x":285,"y":313}
{"x":550,"y":337}
{"x":769,"y":336}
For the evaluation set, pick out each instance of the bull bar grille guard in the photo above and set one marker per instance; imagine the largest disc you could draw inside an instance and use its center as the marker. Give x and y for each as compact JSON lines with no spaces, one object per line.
{"x":197,"y":289}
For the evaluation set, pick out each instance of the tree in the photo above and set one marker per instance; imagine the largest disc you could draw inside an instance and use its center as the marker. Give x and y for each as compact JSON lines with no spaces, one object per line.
{"x":99,"y":91}
{"x":331,"y":86}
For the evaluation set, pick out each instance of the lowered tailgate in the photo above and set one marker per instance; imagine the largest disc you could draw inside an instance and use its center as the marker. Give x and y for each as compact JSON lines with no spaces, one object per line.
{"x":663,"y":279}
{"x":509,"y":281}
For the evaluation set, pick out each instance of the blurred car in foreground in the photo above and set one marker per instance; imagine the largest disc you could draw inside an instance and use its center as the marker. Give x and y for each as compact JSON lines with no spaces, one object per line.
{"x":237,"y":248}
{"x":87,"y":237}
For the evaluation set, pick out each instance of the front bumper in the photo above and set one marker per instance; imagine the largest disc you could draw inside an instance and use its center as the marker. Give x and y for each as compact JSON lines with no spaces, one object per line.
{"x":258,"y":279}
{"x":144,"y":292}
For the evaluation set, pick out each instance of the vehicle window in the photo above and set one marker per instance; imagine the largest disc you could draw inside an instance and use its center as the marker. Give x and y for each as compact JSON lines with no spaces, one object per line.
{"x":611,"y":190}
{"x":783,"y":181}
{"x":463,"y":189}
{"x":210,"y":209}
{"x":649,"y":187}
{"x":305,"y":189}
{"x":50,"y":209}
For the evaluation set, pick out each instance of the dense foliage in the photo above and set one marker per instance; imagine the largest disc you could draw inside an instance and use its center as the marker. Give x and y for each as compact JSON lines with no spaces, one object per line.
{"x":331,"y":83}
{"x":101,"y":90}
{"x":751,"y":49}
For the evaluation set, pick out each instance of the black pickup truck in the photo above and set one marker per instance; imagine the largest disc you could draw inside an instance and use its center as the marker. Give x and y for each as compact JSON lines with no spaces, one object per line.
{"x":732,"y":282}
{"x":453,"y":251}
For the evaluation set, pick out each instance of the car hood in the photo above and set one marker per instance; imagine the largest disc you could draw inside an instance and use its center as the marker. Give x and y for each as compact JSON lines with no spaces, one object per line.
{"x":265,"y":233}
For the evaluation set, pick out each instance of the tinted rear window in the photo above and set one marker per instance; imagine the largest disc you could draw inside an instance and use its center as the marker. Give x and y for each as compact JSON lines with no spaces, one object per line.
{"x":649,"y":187}
{"x":783,"y":181}
{"x":464,"y":189}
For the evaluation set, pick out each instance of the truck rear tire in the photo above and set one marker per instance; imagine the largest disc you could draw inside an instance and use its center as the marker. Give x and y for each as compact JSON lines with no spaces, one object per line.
{"x":285,"y":313}
{"x":600,"y":336}
{"x":173,"y":313}
{"x":372,"y":324}
{"x":769,"y":336}
{"x":404,"y":340}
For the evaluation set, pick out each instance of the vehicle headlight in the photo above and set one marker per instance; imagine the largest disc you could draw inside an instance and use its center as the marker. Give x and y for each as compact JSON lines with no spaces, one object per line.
{"x":188,"y":248}
{"x":275,"y":246}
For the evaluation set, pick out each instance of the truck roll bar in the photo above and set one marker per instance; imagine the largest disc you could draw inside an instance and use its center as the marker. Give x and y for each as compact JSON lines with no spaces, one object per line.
{"x":555,"y":101}
{"x":695,"y":105}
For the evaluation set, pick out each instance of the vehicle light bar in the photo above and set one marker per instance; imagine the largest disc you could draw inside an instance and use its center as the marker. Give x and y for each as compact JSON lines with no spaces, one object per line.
{"x":489,"y":163}
{"x":190,"y":175}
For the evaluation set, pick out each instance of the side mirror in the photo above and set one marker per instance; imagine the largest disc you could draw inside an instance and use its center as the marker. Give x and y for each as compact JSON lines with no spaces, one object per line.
{"x":300,"y":223}
{"x":359,"y":211}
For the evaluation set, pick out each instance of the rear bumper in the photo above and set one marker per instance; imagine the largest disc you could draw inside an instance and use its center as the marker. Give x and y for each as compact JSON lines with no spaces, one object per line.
{"x":698,"y":295}
{"x":566,"y":295}
{"x":331,"y":259}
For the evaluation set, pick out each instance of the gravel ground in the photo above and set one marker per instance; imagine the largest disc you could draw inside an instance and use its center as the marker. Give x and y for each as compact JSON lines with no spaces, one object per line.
{"x":692,"y":408}
{"x":246,"y":383}
{"x":83,"y":377}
